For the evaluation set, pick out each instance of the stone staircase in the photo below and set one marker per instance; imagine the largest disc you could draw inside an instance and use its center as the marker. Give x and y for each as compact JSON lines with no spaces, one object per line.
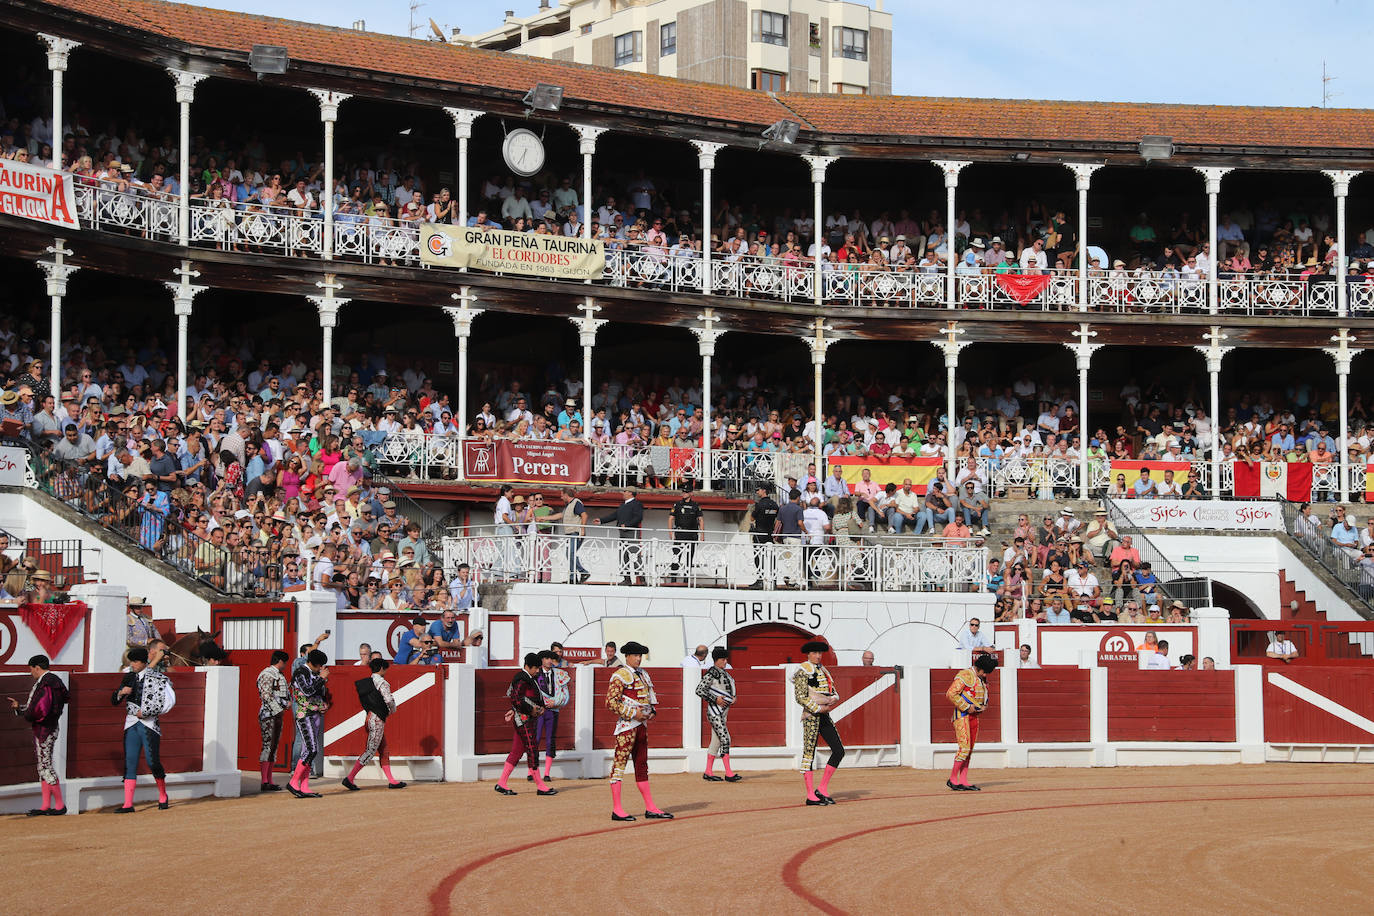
{"x":1295,"y":605}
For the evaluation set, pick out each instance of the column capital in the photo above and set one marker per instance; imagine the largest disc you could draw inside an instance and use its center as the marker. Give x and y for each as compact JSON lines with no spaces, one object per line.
{"x":1213,"y":174}
{"x":818,"y":166}
{"x":1340,"y":179}
{"x":1342,"y":353}
{"x":706,"y":153}
{"x":1083,"y":348}
{"x":586,"y":137}
{"x":329,"y":102}
{"x":328,"y":307}
{"x":707,"y":334}
{"x":58,"y":274}
{"x":587,"y":323}
{"x":1213,"y":351}
{"x":462,"y":314}
{"x":183,"y":291}
{"x":819,"y":342}
{"x":185,"y":84}
{"x":462,"y":121}
{"x":951,"y":168}
{"x":1082,"y":173}
{"x":58,"y":49}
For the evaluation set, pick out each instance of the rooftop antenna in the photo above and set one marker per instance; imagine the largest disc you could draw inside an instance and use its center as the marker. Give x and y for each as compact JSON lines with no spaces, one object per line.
{"x":1327,"y":93}
{"x":413,"y":28}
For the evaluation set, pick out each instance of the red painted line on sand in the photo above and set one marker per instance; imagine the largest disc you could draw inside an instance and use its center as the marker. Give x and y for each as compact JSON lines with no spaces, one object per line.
{"x":791,"y":870}
{"x":439,"y":897}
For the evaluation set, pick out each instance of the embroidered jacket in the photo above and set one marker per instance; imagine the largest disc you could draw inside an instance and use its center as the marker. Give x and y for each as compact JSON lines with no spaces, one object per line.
{"x":630,"y":690}
{"x":716,"y":682}
{"x":810,"y":681}
{"x":274,"y":694}
{"x":310,"y":691}
{"x":967,"y":692}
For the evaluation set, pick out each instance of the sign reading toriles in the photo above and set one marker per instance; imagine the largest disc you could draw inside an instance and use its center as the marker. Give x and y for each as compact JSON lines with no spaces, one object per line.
{"x":528,"y":462}
{"x":812,"y":616}
{"x":37,"y":193}
{"x":1207,"y":515}
{"x":557,"y":256}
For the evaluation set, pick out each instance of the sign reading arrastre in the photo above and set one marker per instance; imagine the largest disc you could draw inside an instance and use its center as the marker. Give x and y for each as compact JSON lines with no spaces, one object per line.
{"x":1208,"y":514}
{"x":556,"y":256}
{"x":528,"y":462}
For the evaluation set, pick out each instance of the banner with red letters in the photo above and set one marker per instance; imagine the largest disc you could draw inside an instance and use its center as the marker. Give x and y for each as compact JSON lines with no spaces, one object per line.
{"x":527,"y":461}
{"x":37,"y":193}
{"x":1203,"y":514}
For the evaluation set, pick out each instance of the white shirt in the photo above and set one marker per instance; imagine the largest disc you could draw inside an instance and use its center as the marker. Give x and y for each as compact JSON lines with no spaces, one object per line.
{"x":970,"y":640}
{"x":1163,"y":489}
{"x":1283,"y":647}
{"x":1033,"y":260}
{"x":815,"y":520}
{"x":1158,"y":660}
{"x":1082,"y":584}
{"x":691,"y":661}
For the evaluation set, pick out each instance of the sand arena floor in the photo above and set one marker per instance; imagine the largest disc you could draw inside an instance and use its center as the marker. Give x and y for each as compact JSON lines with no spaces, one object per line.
{"x":1220,"y":839}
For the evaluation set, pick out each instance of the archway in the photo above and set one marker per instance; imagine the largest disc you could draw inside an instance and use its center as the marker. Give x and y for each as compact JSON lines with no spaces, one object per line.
{"x":1235,"y":602}
{"x":767,"y":644}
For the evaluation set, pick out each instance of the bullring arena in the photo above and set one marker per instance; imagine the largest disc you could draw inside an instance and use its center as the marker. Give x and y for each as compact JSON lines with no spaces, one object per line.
{"x":1020,"y":446}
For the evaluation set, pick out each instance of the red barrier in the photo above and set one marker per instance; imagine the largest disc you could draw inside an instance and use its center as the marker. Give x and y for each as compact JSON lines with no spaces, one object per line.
{"x":416,"y":729}
{"x":879,"y":720}
{"x":96,"y":737}
{"x":1053,"y":704}
{"x":493,"y":732}
{"x":1171,"y":706}
{"x":758,"y":718}
{"x":17,"y":763}
{"x":1295,"y":719}
{"x":942,"y":710}
{"x":666,"y":728}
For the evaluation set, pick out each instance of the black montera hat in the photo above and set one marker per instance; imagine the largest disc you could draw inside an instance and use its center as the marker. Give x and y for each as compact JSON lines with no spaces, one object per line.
{"x":634,"y":648}
{"x":815,"y":645}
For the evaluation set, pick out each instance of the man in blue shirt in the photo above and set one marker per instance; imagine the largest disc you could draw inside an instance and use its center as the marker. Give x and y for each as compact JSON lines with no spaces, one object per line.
{"x":446,"y":635}
{"x":1057,"y":613}
{"x":413,"y":645}
{"x":1144,"y":487}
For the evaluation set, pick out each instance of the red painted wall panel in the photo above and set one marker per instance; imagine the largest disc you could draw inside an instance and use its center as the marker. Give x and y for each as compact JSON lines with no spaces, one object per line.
{"x":96,"y":739}
{"x":666,"y":728}
{"x":1171,"y":705}
{"x":942,"y":710}
{"x":758,"y":718}
{"x":1053,"y":704}
{"x":1290,"y":719}
{"x":17,"y":762}
{"x":879,"y":721}
{"x":494,"y":733}
{"x":416,"y":729}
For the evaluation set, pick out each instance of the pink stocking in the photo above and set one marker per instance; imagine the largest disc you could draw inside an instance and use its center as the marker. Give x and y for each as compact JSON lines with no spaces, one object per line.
{"x":128,"y":793}
{"x":57,"y":802}
{"x":266,"y":773}
{"x":47,"y":795}
{"x":726,"y":760}
{"x":162,"y":791}
{"x":616,"y":807}
{"x":711,"y":764}
{"x":954,"y":771}
{"x":353,"y":773}
{"x":810,"y":778}
{"x":825,"y":780}
{"x":295,"y":780}
{"x":548,"y":766}
{"x":505,"y":775}
{"x":386,"y":771}
{"x":539,"y":783}
{"x":643,"y":786}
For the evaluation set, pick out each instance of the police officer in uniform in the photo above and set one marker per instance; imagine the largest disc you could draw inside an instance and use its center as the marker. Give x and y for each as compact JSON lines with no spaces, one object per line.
{"x":685,"y":521}
{"x":765,"y":517}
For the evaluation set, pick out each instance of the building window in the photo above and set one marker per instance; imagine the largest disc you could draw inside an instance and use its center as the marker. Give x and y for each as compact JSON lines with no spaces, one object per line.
{"x":667,"y":39}
{"x":850,"y":89}
{"x":586,"y":29}
{"x":629,"y":48}
{"x":770,"y":28}
{"x":814,"y":38}
{"x":850,"y":43}
{"x":768,"y":81}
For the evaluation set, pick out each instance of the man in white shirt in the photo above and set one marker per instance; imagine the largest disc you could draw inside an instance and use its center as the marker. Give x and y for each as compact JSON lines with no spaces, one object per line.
{"x":816,"y":522}
{"x":1159,"y":659}
{"x":1083,"y":583}
{"x":1024,"y":661}
{"x":697,"y":660}
{"x":1033,"y":259}
{"x":974,"y":637}
{"x":1167,"y":488}
{"x":1282,"y":648}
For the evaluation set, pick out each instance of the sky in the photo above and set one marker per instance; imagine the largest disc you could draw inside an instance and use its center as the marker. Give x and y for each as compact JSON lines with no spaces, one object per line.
{"x":1226,"y":52}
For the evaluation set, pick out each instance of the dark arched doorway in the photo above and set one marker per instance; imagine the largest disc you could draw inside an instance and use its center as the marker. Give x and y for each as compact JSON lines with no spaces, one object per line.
{"x":1235,"y":602}
{"x":770,"y":644}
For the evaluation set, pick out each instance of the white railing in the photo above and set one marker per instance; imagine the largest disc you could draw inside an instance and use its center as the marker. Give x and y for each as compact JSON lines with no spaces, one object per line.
{"x":284,"y":231}
{"x":714,"y":560}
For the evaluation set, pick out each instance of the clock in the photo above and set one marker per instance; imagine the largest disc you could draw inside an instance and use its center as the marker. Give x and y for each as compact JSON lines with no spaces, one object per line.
{"x":523,"y":152}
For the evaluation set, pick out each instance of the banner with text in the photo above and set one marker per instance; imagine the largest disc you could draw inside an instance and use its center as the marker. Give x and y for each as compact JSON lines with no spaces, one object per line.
{"x":556,"y":256}
{"x":528,"y":462}
{"x":14,"y":462}
{"x":37,"y":193}
{"x":887,"y":470}
{"x":1206,"y":514}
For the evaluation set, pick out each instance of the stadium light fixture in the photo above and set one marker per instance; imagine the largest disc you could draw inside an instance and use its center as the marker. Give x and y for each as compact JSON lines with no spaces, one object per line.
{"x":1152,"y":148}
{"x":544,"y":97}
{"x":784,"y":131}
{"x":264,"y":59}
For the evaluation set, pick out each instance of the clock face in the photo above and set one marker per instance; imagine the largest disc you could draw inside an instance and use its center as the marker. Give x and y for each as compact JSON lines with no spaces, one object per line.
{"x":523,"y":151}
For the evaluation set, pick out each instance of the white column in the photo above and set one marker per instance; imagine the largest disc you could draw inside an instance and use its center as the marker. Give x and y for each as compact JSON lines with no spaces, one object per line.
{"x":328,"y":306}
{"x":1083,"y":176}
{"x":950,"y":347}
{"x":706,"y":161}
{"x":185,"y":91}
{"x":819,"y":343}
{"x":586,"y":145}
{"x":463,"y":317}
{"x":818,"y":166}
{"x":1343,"y":353}
{"x":462,"y":132}
{"x":707,"y":335}
{"x":57,"y":273}
{"x":1213,"y":174}
{"x":183,"y":296}
{"x":951,"y":168}
{"x":587,"y":325}
{"x":329,"y":113}
{"x":1214,"y":352}
{"x":58,"y":49}
{"x":1083,"y":351}
{"x":1340,"y":184}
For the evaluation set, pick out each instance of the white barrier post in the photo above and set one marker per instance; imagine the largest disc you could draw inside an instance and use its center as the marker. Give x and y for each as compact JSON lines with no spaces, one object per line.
{"x":460,"y":724}
{"x":1250,"y":713}
{"x":923,"y":755}
{"x":584,"y":679}
{"x":220,"y":739}
{"x":1097,"y":718}
{"x":105,"y":625}
{"x":1008,"y":709}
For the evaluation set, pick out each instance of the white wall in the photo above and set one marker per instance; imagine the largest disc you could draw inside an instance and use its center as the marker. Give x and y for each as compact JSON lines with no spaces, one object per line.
{"x":25,"y":516}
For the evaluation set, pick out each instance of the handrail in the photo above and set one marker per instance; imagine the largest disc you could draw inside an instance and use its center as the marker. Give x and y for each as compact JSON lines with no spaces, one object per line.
{"x":1342,"y":565}
{"x":1193,"y":591}
{"x":284,"y":231}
